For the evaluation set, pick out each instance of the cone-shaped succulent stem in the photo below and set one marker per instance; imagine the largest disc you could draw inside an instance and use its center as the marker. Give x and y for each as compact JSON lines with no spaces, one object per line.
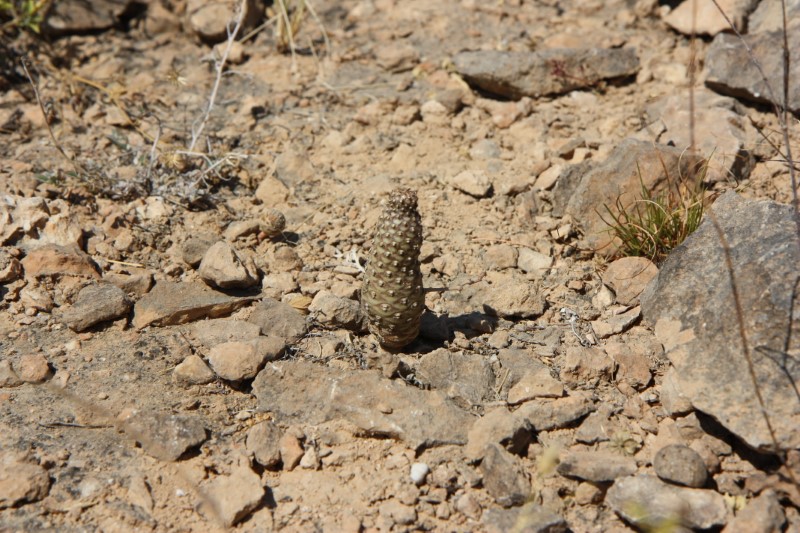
{"x":392,"y":293}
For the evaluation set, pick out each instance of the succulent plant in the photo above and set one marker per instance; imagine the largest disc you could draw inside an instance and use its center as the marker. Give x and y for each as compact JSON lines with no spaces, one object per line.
{"x":392,"y":294}
{"x":273,"y":223}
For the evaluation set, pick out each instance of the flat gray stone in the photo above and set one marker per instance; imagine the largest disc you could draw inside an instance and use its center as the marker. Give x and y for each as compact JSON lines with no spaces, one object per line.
{"x":165,"y":436}
{"x":96,"y":303}
{"x":554,"y":71}
{"x":691,"y":305}
{"x":279,"y":319}
{"x":530,"y":518}
{"x":504,"y":476}
{"x":466,"y":378}
{"x":498,"y":426}
{"x":556,"y":414}
{"x":646,"y":502}
{"x":303,"y":392}
{"x":596,"y":466}
{"x":230,"y":498}
{"x":209,"y":333}
{"x":731,"y":71}
{"x":172,"y":303}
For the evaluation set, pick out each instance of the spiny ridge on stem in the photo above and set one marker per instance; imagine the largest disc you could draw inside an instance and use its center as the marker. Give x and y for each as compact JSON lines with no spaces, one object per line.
{"x":392,"y":293}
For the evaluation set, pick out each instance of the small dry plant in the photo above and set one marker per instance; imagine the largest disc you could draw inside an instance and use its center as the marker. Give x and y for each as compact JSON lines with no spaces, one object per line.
{"x":22,"y":14}
{"x":653,"y":225}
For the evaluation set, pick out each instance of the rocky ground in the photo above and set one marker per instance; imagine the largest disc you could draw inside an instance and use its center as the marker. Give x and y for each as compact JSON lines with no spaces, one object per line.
{"x":181,"y":343}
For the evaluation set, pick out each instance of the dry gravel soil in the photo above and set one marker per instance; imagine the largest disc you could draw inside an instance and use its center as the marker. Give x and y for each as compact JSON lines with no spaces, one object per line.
{"x":138,"y":424}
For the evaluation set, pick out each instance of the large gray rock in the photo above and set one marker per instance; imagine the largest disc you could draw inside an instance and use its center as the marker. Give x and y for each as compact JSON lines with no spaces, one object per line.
{"x":303,"y":392}
{"x":732,"y":71}
{"x":719,"y":132}
{"x":646,"y":501}
{"x":692,"y":306}
{"x":768,"y":16}
{"x":555,"y":71}
{"x":620,"y":177}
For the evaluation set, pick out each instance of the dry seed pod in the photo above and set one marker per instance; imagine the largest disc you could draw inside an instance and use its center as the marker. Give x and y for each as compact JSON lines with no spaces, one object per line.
{"x":273,"y":223}
{"x":392,"y":290}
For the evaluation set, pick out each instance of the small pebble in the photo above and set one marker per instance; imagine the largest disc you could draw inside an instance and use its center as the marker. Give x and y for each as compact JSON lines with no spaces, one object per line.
{"x":419,"y":471}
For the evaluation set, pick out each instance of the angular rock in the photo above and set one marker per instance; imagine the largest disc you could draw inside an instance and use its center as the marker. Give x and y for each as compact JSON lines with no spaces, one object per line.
{"x":763,"y":514}
{"x":236,"y":361}
{"x":646,"y":502}
{"x":720,"y":133}
{"x":56,"y":261}
{"x":8,"y":377}
{"x":336,"y":312}
{"x":768,"y":16}
{"x":171,"y":303}
{"x":466,"y":378}
{"x":263,"y":441}
{"x":10,"y":267}
{"x":675,"y":403}
{"x":519,"y":362}
{"x":731,"y":71}
{"x":507,"y":294}
{"x":473,"y":182}
{"x":554,"y":71}
{"x":135,"y":281}
{"x":530,"y":518}
{"x":96,"y":303}
{"x":22,"y":483}
{"x":537,"y":384}
{"x":279,"y":319}
{"x":586,"y":364}
{"x":620,"y":177}
{"x":695,"y":317}
{"x":194,"y":248}
{"x":504,"y":476}
{"x":33,"y":368}
{"x":500,"y":256}
{"x":614,"y":324}
{"x":306,"y":393}
{"x":628,"y":277}
{"x":73,"y":16}
{"x":596,"y":466}
{"x":222,"y":267}
{"x":193,"y":371}
{"x":209,"y":333}
{"x":165,"y":436}
{"x":533,"y":262}
{"x":705,"y":17}
{"x":633,"y":367}
{"x":498,"y":427}
{"x":557,"y":414}
{"x":210,"y":20}
{"x":677,"y":463}
{"x":231,"y":498}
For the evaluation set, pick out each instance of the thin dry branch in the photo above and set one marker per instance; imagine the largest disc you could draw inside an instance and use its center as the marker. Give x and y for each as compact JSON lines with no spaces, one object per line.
{"x":219,"y":66}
